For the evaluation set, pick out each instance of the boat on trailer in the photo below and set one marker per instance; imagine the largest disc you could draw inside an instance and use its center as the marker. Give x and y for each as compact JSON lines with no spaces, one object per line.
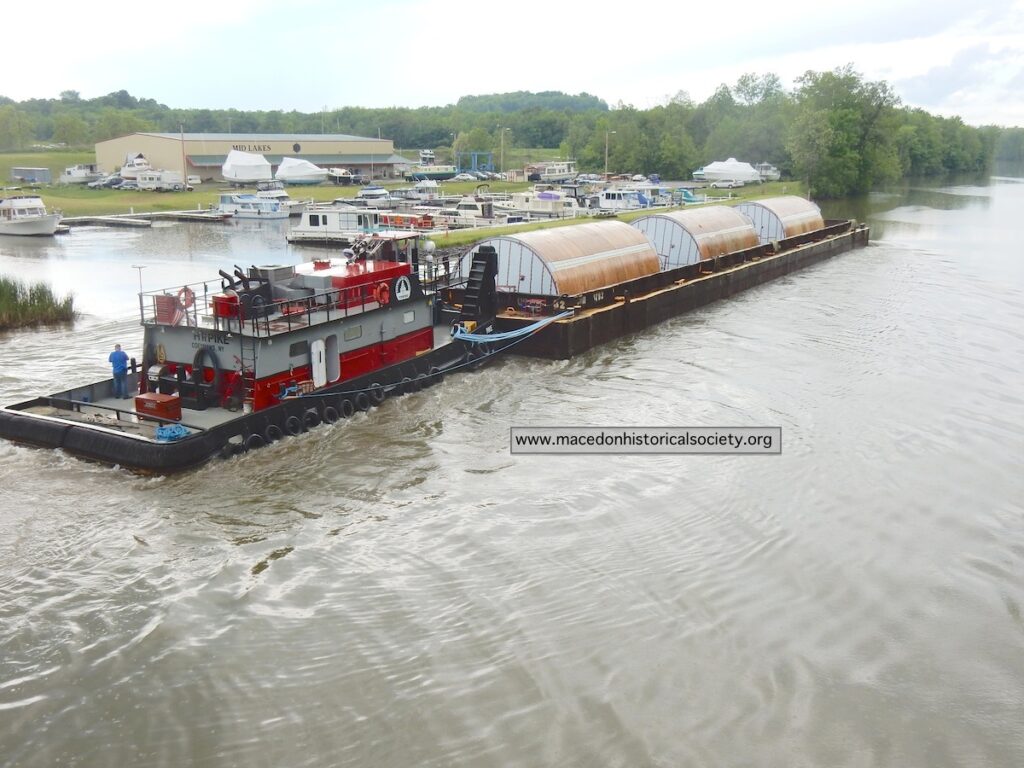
{"x":252,"y":356}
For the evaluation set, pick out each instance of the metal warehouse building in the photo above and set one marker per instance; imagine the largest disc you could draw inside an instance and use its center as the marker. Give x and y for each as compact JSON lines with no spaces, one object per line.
{"x":203,"y":154}
{"x":776,"y":218}
{"x":569,"y":260}
{"x":686,"y":237}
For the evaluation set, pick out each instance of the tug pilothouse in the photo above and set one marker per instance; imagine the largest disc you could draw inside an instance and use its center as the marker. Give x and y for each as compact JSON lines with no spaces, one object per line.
{"x":274,"y":331}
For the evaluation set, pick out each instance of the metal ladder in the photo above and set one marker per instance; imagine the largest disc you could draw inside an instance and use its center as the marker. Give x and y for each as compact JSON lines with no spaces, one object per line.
{"x":249,"y":347}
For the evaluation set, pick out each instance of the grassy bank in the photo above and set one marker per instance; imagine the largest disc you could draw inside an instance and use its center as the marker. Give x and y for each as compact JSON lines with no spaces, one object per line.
{"x":22,"y":305}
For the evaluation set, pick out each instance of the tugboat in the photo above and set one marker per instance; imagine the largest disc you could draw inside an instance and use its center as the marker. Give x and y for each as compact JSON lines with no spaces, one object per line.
{"x":266,"y":352}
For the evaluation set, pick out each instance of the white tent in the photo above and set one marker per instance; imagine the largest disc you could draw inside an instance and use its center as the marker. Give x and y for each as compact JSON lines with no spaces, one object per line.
{"x":293,"y":170}
{"x":730,"y":170}
{"x":245,"y":168}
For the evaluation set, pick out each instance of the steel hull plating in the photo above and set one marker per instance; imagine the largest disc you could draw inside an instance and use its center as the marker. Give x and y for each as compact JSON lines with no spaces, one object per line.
{"x":107,"y":445}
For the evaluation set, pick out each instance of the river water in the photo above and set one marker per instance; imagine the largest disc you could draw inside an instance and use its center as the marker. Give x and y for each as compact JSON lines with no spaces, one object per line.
{"x":399,"y":590}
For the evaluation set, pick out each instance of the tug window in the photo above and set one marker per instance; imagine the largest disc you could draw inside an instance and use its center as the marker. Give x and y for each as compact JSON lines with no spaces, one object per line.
{"x":409,"y":316}
{"x":299,"y":349}
{"x":353,"y":333}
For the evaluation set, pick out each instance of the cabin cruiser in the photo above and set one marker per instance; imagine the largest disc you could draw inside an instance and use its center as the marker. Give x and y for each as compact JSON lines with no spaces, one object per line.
{"x":274,"y":190}
{"x":251,"y":207}
{"x":542,"y":201}
{"x":245,"y":168}
{"x":26,"y":215}
{"x":80,"y":174}
{"x":297,"y":171}
{"x":558,"y":171}
{"x":134,"y":165}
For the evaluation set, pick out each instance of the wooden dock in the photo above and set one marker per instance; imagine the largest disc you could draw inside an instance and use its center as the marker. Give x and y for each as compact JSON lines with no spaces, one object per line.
{"x":145,"y":219}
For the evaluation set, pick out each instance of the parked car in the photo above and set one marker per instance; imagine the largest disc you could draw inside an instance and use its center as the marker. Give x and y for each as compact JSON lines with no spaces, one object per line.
{"x":464,"y":177}
{"x":107,"y":182}
{"x":128,"y":184}
{"x":726,"y":184}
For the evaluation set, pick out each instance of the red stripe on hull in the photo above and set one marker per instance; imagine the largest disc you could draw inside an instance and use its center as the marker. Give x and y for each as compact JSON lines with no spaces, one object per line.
{"x":353,"y":364}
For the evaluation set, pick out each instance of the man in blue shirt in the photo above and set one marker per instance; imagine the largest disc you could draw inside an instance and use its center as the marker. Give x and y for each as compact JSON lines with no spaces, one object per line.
{"x":119,"y":362}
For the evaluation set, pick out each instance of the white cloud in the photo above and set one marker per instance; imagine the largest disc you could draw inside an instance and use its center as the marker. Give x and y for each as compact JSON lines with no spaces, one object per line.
{"x":309,"y":53}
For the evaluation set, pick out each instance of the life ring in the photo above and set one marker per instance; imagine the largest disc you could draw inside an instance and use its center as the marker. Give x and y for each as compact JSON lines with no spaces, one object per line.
{"x":311,"y":418}
{"x":362,"y":402}
{"x":330,"y":414}
{"x":346,"y":408}
{"x":253,"y":441}
{"x":293,"y":425}
{"x":186,"y":297}
{"x":376,"y":392}
{"x":273,"y":433}
{"x":383,"y":294}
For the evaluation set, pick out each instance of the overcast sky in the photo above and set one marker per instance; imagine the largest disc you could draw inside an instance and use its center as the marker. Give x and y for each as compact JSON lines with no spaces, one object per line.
{"x":950,"y":57}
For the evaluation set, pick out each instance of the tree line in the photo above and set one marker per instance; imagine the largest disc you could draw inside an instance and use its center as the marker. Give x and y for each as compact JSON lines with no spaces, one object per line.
{"x":838,"y":131}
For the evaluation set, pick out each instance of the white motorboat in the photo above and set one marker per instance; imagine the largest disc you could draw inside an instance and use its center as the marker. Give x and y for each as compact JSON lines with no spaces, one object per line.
{"x":26,"y":215}
{"x":80,"y":174}
{"x":245,"y":168}
{"x":134,"y":165}
{"x":558,"y":172}
{"x":294,"y":170}
{"x":340,"y":176}
{"x":543,"y":202}
{"x":274,"y":190}
{"x":768,"y":172}
{"x":251,"y":207}
{"x":730,"y":170}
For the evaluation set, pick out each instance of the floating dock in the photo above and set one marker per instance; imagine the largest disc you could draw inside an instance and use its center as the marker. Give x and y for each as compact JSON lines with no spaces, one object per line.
{"x":139,"y":220}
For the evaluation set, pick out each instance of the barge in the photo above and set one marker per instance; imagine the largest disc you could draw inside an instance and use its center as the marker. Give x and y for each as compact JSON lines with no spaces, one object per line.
{"x":617,"y":279}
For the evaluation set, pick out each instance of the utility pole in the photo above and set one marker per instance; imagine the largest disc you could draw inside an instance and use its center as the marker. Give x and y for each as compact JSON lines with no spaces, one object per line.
{"x":606,"y":135}
{"x":503,"y":130}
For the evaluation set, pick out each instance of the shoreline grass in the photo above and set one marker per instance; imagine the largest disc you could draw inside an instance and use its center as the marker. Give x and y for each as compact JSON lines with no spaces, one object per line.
{"x":23,"y":305}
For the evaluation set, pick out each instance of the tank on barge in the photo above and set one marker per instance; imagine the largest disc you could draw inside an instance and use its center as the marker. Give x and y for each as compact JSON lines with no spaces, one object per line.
{"x":266,"y":352}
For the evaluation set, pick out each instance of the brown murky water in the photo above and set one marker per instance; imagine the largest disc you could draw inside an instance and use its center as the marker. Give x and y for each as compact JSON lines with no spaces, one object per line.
{"x":399,"y":590}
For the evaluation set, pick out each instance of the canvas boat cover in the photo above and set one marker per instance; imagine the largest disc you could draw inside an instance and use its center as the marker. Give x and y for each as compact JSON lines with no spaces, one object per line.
{"x":722,"y":170}
{"x":296,"y":168}
{"x":246,"y":166}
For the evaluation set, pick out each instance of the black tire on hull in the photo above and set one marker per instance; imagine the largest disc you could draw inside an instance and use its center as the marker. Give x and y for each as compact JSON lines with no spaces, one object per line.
{"x":273,"y":433}
{"x":362,"y":402}
{"x":346,"y":408}
{"x":293,"y":425}
{"x":330,"y":415}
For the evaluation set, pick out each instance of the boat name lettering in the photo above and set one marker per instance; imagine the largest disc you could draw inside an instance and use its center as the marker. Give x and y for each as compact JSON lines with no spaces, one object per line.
{"x":202,"y":338}
{"x":251,"y":147}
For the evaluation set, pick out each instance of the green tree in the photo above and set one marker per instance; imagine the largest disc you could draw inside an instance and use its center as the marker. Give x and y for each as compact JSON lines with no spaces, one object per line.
{"x":15,"y":128}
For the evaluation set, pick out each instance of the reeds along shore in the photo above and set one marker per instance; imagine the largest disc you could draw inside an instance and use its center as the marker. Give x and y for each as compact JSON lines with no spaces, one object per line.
{"x":24,"y":305}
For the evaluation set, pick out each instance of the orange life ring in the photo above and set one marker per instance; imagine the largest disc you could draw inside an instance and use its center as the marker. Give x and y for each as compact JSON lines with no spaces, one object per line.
{"x":186,"y":297}
{"x":383,"y":294}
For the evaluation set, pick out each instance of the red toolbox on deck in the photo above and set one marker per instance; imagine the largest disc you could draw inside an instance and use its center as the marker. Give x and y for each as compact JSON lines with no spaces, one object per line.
{"x":161,"y":406}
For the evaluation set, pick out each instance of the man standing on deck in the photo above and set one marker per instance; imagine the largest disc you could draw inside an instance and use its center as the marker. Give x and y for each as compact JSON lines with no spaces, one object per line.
{"x":119,"y":363}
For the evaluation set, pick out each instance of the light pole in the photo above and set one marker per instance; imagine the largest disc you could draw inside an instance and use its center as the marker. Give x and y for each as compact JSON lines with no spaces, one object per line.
{"x":606,"y":135}
{"x":503,"y":130}
{"x":454,"y":161}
